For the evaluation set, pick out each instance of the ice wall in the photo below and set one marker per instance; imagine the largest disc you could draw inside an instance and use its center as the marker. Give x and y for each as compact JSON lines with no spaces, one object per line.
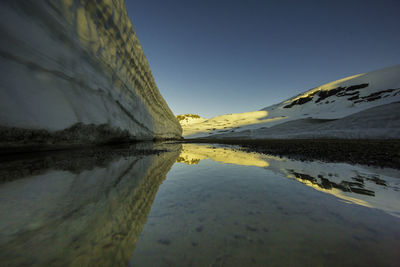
{"x":76,"y":63}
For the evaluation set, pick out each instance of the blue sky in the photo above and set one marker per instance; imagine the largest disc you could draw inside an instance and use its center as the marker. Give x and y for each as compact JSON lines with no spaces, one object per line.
{"x":217,"y":57}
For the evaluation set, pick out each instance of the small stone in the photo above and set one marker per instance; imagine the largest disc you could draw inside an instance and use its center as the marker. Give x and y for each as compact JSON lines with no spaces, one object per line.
{"x":165,"y":242}
{"x":251,"y":229}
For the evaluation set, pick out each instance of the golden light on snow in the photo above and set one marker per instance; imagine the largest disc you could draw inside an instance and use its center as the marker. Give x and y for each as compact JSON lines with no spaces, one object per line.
{"x":192,"y":154}
{"x":226,"y":122}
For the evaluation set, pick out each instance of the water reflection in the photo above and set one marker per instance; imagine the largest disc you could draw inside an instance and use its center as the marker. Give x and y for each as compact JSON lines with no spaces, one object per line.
{"x":256,"y":211}
{"x":79,"y":208}
{"x":192,"y":154}
{"x":127,"y":205}
{"x":374,"y":188}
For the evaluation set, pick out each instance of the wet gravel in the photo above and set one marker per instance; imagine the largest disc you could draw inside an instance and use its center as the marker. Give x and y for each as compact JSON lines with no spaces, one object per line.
{"x":382,"y":153}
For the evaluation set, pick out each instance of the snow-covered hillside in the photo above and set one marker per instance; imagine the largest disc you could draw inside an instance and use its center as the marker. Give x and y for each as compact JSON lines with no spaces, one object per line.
{"x":69,"y":63}
{"x":186,"y":119}
{"x":359,"y":106}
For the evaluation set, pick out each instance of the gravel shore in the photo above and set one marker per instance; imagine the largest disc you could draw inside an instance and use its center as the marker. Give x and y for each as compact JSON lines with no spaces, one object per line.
{"x":382,"y":153}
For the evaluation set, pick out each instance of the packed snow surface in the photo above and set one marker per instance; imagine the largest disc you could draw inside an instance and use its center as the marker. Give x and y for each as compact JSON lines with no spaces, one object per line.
{"x":359,"y":106}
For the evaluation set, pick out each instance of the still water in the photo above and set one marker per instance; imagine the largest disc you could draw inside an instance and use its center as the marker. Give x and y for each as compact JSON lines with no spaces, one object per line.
{"x":195,"y":205}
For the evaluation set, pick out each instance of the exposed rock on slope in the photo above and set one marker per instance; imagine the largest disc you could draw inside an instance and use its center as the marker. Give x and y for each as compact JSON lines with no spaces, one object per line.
{"x":65,"y":63}
{"x":186,"y":119}
{"x":360,"y":106}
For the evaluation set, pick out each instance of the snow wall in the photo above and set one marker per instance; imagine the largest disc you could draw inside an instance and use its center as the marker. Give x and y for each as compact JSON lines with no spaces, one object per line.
{"x":75,"y":64}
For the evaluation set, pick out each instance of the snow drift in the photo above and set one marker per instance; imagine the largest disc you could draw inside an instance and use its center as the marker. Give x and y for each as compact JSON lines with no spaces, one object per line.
{"x":76,"y":64}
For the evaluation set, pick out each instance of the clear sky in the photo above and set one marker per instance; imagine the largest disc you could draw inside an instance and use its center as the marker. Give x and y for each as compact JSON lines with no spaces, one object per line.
{"x":216,"y":57}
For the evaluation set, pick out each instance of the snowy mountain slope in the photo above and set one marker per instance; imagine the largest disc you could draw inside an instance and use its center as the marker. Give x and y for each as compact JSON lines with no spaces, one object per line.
{"x":225,"y":123}
{"x":332,"y":101}
{"x":66,"y":63}
{"x":380,"y":122}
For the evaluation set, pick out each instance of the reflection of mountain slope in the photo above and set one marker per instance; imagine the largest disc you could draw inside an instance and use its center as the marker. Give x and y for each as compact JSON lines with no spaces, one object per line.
{"x":90,"y":218}
{"x":192,"y":154}
{"x":352,"y":184}
{"x":324,"y":183}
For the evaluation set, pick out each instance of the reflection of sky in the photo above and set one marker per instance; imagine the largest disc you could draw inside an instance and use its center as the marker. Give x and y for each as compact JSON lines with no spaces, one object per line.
{"x":351,"y":184}
{"x":218,"y":57}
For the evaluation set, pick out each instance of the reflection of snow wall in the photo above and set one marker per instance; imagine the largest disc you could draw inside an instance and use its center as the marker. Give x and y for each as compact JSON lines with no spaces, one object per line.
{"x":89,"y":217}
{"x":68,"y":62}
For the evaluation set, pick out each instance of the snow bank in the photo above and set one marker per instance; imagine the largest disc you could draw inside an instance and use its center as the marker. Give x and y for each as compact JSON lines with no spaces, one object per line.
{"x":68,"y":62}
